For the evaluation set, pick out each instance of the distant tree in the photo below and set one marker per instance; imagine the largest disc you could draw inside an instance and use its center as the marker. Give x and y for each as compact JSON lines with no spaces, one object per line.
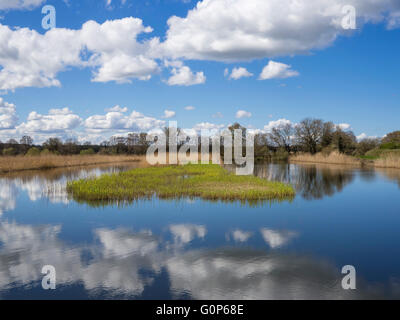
{"x":71,"y":146}
{"x":261,"y":149}
{"x":366,"y":145}
{"x":309,"y":133}
{"x":238,"y":126}
{"x":393,"y":137}
{"x":282,"y":136}
{"x":12,"y":141}
{"x":344,"y":141}
{"x":26,"y":140}
{"x":327,"y":135}
{"x":53,"y":145}
{"x":167,"y":132}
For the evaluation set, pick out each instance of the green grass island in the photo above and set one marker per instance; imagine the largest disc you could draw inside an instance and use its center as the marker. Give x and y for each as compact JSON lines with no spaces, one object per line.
{"x":206,"y":181}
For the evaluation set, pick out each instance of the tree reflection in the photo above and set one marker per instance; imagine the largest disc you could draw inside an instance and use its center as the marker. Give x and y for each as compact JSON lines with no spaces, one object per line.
{"x":310,"y":181}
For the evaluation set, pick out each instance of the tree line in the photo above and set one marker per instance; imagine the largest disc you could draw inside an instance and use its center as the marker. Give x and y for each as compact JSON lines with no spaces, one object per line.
{"x":310,"y":135}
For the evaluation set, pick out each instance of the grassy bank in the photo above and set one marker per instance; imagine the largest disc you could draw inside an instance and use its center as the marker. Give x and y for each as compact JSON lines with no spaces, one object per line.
{"x":22,"y":163}
{"x":210,"y":182}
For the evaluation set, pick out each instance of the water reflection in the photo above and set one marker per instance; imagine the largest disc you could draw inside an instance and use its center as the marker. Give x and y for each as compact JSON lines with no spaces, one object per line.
{"x":124,"y":262}
{"x":47,"y":184}
{"x":239,"y":253}
{"x":310,"y":181}
{"x":390,"y":174}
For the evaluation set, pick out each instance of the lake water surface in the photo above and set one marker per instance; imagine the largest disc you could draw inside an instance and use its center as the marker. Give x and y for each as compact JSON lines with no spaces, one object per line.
{"x":195,"y":249}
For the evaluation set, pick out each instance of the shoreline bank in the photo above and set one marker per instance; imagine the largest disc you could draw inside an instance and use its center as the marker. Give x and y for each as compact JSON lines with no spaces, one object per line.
{"x":11,"y":164}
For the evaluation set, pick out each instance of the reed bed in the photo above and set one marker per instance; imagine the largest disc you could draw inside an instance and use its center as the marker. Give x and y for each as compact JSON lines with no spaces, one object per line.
{"x":332,"y":158}
{"x":211,"y":182}
{"x":22,"y":163}
{"x":391,"y":161}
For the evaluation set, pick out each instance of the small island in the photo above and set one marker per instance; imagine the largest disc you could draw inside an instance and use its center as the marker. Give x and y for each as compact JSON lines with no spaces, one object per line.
{"x":206,"y":181}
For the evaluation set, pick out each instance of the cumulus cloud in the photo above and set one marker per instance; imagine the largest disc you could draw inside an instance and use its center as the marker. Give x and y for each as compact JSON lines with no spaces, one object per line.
{"x":56,"y":121}
{"x":219,"y":30}
{"x":243,"y":114}
{"x":207,"y":126}
{"x":117,"y":118}
{"x":189,"y":108}
{"x":276,"y":124}
{"x":8,"y":115}
{"x":343,"y":126}
{"x":364,"y":136}
{"x":233,"y":30}
{"x":183,"y":76}
{"x":277,"y":70}
{"x":111,"y":50}
{"x":20,"y":4}
{"x":240,"y":72}
{"x":169,"y":114}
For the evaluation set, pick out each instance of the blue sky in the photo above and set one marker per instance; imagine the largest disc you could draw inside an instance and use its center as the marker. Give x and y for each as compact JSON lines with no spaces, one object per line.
{"x":323,"y":71}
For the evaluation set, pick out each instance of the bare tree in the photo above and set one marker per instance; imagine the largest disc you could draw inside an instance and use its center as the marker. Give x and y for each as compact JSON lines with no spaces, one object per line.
{"x":282,"y":136}
{"x":12,"y":141}
{"x":309,"y":133}
{"x":26,"y":140}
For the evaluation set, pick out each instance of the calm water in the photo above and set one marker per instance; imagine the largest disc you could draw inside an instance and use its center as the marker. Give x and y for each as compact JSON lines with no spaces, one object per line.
{"x":194,"y":249}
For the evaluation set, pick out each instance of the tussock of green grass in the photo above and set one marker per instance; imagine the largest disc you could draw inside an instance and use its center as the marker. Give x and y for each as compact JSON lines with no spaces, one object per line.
{"x":210,"y":182}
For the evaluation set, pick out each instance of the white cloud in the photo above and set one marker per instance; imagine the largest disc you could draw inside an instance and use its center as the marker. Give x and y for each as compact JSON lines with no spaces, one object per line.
{"x":207,"y":126}
{"x":277,"y":70}
{"x":117,"y":108}
{"x":116,"y":52}
{"x":234,"y":30}
{"x":190,"y":108}
{"x":240,"y":72}
{"x":183,"y":76}
{"x":221,"y":30}
{"x":169,"y":114}
{"x":276,"y":124}
{"x":8,"y":115}
{"x":30,"y":59}
{"x":364,"y":136}
{"x":243,"y":114}
{"x":344,"y":126}
{"x":118,"y":119}
{"x":20,"y":4}
{"x":56,"y":121}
